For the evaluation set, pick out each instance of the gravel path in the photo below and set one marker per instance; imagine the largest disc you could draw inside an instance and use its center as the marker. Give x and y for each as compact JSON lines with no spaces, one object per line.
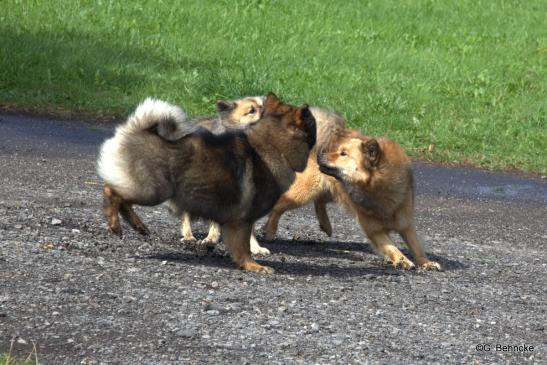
{"x":84,"y":297}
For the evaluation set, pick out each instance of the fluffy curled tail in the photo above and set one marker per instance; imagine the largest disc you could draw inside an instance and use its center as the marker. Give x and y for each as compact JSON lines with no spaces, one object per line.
{"x":166,"y":120}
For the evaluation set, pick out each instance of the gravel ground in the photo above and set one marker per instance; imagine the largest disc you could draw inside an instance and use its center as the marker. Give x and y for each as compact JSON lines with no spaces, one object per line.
{"x":85,"y":297}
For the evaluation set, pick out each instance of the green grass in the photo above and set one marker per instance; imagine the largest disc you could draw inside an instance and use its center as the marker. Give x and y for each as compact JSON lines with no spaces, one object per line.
{"x":6,"y":359}
{"x":467,"y":76}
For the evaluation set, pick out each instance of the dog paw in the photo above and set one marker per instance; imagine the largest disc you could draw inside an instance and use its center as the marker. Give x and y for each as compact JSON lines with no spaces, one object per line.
{"x":430,"y":265}
{"x":259,"y":250}
{"x":254,"y":267}
{"x":403,"y":263}
{"x":143,"y":230}
{"x":326,"y":229}
{"x":188,"y":239}
{"x":117,"y":230}
{"x":208,"y":242}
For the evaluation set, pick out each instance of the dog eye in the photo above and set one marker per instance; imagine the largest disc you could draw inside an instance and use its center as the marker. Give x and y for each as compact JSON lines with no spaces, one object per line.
{"x":252,"y":110}
{"x":343,"y":153}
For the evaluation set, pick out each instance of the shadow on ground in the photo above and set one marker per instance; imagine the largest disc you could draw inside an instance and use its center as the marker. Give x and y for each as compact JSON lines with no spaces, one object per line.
{"x":341,"y":259}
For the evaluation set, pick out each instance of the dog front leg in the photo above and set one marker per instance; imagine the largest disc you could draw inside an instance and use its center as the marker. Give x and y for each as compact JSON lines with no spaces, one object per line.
{"x":236,"y":238}
{"x":383,"y":244}
{"x":256,"y":249}
{"x":214,"y":234}
{"x":186,"y":228}
{"x":411,"y":238}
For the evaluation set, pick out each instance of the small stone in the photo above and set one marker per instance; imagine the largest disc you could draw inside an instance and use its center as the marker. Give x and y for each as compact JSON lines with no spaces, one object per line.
{"x":75,"y":231}
{"x":187,"y":333}
{"x":213,"y":312}
{"x":55,"y":313}
{"x":56,"y":222}
{"x":89,"y":360}
{"x":214,"y":285}
{"x":17,"y":226}
{"x":21,"y":341}
{"x":314,"y":327}
{"x":282,"y":309}
{"x":128,"y":299}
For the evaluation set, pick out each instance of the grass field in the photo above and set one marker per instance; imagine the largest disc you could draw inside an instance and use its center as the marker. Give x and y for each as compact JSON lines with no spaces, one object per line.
{"x":468,"y":77}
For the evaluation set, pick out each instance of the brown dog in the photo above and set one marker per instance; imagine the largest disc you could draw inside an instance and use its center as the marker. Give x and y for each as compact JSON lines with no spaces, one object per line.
{"x":247,"y":172}
{"x":374,"y":180}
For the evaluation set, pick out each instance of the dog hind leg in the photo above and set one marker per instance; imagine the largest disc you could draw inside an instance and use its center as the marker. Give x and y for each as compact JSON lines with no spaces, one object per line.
{"x":111,"y":209}
{"x":236,"y":238}
{"x":320,"y":206}
{"x":133,"y":219}
{"x":282,"y":205}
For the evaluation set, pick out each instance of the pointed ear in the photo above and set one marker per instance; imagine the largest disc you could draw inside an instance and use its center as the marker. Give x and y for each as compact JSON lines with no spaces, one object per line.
{"x":304,"y":112}
{"x":306,"y":122}
{"x":271,"y":103}
{"x":225,"y":106}
{"x":371,"y":150}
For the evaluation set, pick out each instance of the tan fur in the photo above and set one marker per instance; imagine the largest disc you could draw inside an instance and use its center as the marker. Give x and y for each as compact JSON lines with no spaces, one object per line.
{"x":374,"y":180}
{"x":247,"y":171}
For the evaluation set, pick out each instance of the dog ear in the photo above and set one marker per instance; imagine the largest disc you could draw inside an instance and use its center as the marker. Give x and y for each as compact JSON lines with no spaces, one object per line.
{"x":371,"y":150}
{"x":271,"y":103}
{"x":225,"y":106}
{"x":305,"y":121}
{"x":305,"y":113}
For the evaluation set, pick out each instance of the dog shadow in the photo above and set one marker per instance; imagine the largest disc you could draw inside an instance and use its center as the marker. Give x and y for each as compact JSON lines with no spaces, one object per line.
{"x":281,"y":267}
{"x":337,"y":255}
{"x":347,"y":251}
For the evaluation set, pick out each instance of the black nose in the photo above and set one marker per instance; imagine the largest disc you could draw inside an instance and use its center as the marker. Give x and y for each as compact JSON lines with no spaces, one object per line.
{"x":324,"y":166}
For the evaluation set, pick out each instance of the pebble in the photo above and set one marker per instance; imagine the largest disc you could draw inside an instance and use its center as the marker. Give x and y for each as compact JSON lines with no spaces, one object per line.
{"x":314,"y":327}
{"x":187,"y":333}
{"x":214,"y":284}
{"x":56,"y":222}
{"x":213,"y":312}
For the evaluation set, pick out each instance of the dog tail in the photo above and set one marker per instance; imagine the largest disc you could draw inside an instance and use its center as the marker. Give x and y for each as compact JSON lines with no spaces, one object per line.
{"x":166,"y":120}
{"x":328,"y":123}
{"x":120,"y":153}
